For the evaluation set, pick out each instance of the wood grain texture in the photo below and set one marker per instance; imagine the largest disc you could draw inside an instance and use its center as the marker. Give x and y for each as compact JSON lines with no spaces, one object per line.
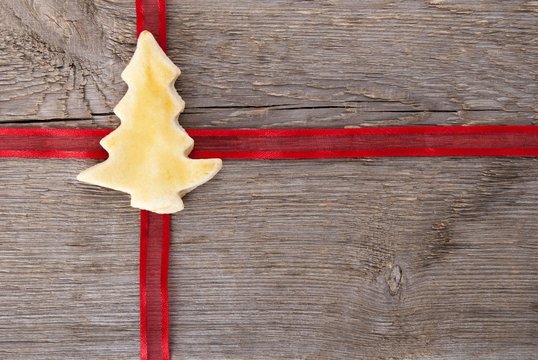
{"x":282,"y":62}
{"x":362,"y":259}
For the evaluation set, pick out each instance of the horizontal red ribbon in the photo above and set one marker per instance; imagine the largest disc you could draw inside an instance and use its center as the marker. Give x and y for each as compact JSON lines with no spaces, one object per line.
{"x":252,"y":144}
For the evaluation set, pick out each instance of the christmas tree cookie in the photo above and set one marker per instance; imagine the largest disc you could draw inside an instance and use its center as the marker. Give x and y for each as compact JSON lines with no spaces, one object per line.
{"x":148,"y":152}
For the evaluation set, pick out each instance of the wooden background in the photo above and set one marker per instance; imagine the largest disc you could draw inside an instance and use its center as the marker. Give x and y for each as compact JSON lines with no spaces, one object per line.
{"x":325,"y":259}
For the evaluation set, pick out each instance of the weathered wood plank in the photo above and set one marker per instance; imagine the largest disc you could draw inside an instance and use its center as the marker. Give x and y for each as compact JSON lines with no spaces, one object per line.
{"x":370,"y":259}
{"x":281,"y":63}
{"x":360,"y":259}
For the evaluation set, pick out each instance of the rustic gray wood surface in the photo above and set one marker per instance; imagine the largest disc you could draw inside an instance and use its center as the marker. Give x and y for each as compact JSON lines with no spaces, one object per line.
{"x":322,"y":259}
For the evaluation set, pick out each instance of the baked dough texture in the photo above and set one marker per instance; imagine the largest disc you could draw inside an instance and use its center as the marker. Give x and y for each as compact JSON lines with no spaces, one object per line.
{"x":148,"y":152}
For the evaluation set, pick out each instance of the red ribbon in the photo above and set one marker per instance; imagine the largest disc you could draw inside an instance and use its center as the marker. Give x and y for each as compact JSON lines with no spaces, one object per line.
{"x":154,"y":229}
{"x":255,"y":144}
{"x":151,"y":16}
{"x":154,"y":252}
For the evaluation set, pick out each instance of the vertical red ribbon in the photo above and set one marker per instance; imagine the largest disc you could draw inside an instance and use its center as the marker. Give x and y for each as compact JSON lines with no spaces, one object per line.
{"x":154,"y":229}
{"x":151,"y":16}
{"x":154,"y":253}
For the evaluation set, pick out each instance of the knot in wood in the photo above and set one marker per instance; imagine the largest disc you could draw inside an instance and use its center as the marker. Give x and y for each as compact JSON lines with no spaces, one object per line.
{"x":394,"y":280}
